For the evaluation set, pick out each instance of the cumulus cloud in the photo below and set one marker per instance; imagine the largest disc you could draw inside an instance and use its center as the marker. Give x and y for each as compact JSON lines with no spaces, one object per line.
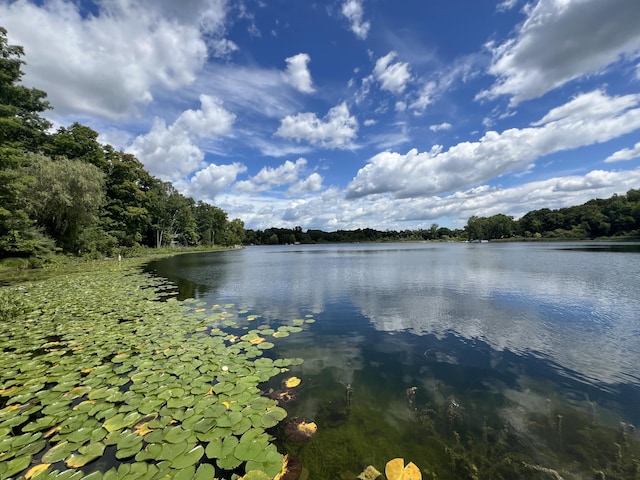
{"x":269,"y":177}
{"x":557,"y":192}
{"x":624,"y":154}
{"x":109,"y":63}
{"x":440,"y":127}
{"x":587,"y":119}
{"x":171,"y":152}
{"x":353,"y":11}
{"x":393,"y":76}
{"x":312,"y":183}
{"x":297,"y":73}
{"x":336,"y":130}
{"x":329,"y":209}
{"x":562,"y":40}
{"x":213,"y":179}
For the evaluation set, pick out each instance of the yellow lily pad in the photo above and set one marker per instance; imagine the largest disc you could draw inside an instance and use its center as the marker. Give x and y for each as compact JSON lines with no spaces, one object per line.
{"x":292,"y":382}
{"x":33,"y":471}
{"x":396,"y":470}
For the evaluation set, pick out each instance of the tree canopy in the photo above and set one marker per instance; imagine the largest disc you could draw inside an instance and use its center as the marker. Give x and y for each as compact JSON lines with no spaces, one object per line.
{"x":65,"y":191}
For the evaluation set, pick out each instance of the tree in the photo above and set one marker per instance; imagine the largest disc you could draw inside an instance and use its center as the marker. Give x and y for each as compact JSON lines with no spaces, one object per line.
{"x":77,"y":142}
{"x":235,"y":232}
{"x":21,"y":129}
{"x":64,"y":197}
{"x":21,"y":125}
{"x":211,"y":223}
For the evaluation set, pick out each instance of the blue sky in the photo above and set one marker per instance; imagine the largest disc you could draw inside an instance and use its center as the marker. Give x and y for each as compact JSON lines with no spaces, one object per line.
{"x":351,"y":113}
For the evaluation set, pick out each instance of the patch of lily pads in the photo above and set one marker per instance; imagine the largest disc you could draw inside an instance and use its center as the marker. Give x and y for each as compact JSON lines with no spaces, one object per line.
{"x":101,"y":380}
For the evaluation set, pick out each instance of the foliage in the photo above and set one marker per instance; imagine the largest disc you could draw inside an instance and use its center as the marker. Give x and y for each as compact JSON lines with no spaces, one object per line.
{"x":68,"y":190}
{"x":64,"y":197}
{"x":287,"y":236}
{"x":97,"y":374}
{"x":617,"y":216}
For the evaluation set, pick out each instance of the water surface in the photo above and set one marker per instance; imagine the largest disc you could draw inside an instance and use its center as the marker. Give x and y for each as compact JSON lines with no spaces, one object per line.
{"x":493,"y":360}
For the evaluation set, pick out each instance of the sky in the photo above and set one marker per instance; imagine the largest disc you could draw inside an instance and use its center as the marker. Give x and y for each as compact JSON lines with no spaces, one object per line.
{"x":346,"y":114}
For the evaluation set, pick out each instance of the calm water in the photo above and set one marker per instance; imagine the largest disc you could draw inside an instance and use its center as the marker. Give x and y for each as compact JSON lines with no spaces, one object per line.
{"x":471,"y":360}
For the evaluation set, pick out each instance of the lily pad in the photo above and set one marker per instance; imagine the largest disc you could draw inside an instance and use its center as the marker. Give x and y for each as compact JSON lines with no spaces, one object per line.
{"x":188,"y":458}
{"x":272,"y":417}
{"x":17,"y":465}
{"x":58,"y":452}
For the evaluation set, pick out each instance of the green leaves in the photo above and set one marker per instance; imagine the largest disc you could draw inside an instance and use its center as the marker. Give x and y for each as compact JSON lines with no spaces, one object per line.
{"x":103,"y":369}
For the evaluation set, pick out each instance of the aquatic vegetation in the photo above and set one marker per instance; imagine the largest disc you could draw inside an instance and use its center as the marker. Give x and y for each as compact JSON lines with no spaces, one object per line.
{"x":100,"y":378}
{"x":292,"y":382}
{"x":300,"y":429}
{"x":396,"y":470}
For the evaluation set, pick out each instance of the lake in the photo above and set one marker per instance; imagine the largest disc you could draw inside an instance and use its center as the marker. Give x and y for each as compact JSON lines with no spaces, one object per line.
{"x":491,"y":360}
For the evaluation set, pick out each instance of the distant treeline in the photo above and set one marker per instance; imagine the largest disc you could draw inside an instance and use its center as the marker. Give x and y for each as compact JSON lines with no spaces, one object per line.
{"x":285,"y":236}
{"x":618,"y":216}
{"x":66,"y":192}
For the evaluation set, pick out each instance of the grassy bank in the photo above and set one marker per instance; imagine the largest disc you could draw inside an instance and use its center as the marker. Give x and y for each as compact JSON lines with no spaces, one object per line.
{"x":102,"y":380}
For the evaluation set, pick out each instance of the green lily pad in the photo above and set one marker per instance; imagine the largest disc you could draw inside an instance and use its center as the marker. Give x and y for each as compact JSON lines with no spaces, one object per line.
{"x":85,"y":455}
{"x":120,"y":421}
{"x":205,"y":472}
{"x":17,"y":465}
{"x":151,"y":451}
{"x":32,"y":448}
{"x":256,"y":475}
{"x":271,"y":463}
{"x":58,"y":452}
{"x":248,"y":449}
{"x":176,"y":434}
{"x":272,"y":417}
{"x":188,"y":458}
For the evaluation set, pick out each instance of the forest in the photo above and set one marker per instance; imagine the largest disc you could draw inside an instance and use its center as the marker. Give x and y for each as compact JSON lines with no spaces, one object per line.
{"x":65,"y":192}
{"x":616,"y":218}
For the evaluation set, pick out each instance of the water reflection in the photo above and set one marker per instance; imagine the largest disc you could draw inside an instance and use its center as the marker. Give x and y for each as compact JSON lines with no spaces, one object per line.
{"x":511,"y":349}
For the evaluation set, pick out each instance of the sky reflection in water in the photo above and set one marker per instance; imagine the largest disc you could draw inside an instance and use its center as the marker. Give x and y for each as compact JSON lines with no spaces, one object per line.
{"x":502,"y":330}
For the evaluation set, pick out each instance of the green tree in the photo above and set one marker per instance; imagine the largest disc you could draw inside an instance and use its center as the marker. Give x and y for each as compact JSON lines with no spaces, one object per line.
{"x":211,"y":223}
{"x":126,"y":215}
{"x":21,"y":129}
{"x":21,"y":125}
{"x":235,"y":232}
{"x":64,"y":197}
{"x":77,"y":142}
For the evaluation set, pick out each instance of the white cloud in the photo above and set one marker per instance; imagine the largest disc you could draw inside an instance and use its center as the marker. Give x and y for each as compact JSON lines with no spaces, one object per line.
{"x":587,"y":119}
{"x":369,"y":122}
{"x":440,"y":127}
{"x":392,"y":76}
{"x":297,"y":73}
{"x":562,"y":40}
{"x":214,"y":179}
{"x":506,"y":5}
{"x":240,"y":86}
{"x":425,"y":97}
{"x":312,"y":183}
{"x":329,"y":209}
{"x":268,"y":177}
{"x":171,"y":152}
{"x":336,"y":130}
{"x":624,"y":154}
{"x":110,"y":63}
{"x":353,"y":11}
{"x":557,"y":192}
